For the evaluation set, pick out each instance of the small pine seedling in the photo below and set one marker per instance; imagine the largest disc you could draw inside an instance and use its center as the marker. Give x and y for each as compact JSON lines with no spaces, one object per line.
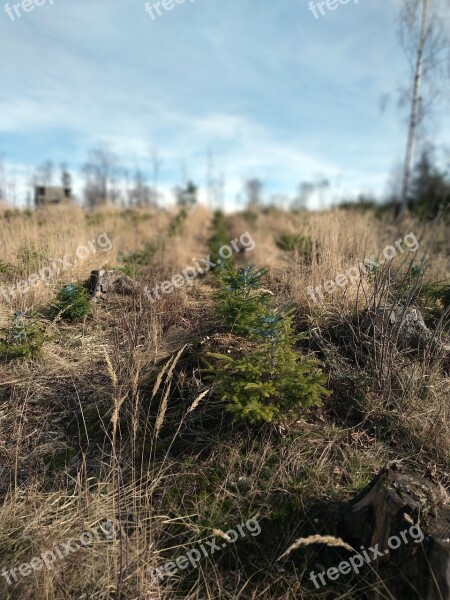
{"x":72,"y":303}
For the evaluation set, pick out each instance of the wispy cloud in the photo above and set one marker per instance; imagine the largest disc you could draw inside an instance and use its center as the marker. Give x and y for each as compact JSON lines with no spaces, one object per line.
{"x":274,"y":92}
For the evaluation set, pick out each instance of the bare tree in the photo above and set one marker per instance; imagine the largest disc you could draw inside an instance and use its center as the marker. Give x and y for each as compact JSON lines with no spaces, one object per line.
{"x":220,"y":190}
{"x":30,"y":188}
{"x":253,"y":189}
{"x":156,"y":167}
{"x":322,"y":185}
{"x":65,"y":177}
{"x":210,"y":179}
{"x":186,"y":195}
{"x":140,"y":194}
{"x":11,"y":191}
{"x":280,"y":201}
{"x":100,"y":172}
{"x":215,"y":184}
{"x":307,"y":189}
{"x":426,"y":45}
{"x":3,"y":184}
{"x":44,"y":173}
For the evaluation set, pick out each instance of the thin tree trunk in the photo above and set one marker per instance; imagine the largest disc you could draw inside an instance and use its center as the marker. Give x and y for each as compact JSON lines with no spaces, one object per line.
{"x":414,"y":119}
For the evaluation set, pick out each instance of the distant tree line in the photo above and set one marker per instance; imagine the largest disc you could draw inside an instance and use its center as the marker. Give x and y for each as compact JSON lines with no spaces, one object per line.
{"x":104,"y":176}
{"x":107,"y":180}
{"x":428,"y":193}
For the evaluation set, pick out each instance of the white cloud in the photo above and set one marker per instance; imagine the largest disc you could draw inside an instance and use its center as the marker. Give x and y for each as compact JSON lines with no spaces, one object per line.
{"x":273,"y":92}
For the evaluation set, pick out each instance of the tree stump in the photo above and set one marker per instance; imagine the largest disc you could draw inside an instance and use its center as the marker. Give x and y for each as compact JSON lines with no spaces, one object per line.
{"x":394,"y":502}
{"x":405,"y":324}
{"x":102,"y":282}
{"x":406,"y":327}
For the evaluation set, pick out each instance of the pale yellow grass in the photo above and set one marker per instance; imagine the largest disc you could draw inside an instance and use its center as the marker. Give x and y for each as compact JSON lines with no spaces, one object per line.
{"x":343,"y":240}
{"x":110,"y":365}
{"x":45,"y":236}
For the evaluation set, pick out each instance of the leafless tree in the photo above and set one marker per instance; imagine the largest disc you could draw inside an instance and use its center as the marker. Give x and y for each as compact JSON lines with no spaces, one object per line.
{"x":3,"y":184}
{"x":140,"y":194}
{"x":280,"y":201}
{"x":253,"y":189}
{"x":220,"y":190}
{"x":307,"y":189}
{"x":65,"y":176}
{"x":321,"y":186}
{"x":30,"y":188}
{"x":156,"y":167}
{"x":210,"y":179}
{"x":101,"y":173}
{"x":426,"y":44}
{"x":186,"y":195}
{"x":44,"y":173}
{"x":11,"y":191}
{"x":215,"y":184}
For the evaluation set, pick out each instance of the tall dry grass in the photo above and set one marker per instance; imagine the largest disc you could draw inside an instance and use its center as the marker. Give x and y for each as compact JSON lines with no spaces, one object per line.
{"x":114,"y":421}
{"x":343,"y":240}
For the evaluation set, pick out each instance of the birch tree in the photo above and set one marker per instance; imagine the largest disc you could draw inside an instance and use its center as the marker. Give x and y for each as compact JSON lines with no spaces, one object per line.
{"x":3,"y":184}
{"x":426,"y":44}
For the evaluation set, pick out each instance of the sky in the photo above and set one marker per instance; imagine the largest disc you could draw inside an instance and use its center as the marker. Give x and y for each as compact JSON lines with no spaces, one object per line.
{"x":264,"y":87}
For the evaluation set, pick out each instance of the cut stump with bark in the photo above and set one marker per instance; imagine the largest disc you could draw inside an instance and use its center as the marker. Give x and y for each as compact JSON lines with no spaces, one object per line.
{"x":102,"y":282}
{"x":395,"y":502}
{"x":406,"y":325}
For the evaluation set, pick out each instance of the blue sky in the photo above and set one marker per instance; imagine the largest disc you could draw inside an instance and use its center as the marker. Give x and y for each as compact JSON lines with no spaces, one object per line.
{"x":273,"y":92}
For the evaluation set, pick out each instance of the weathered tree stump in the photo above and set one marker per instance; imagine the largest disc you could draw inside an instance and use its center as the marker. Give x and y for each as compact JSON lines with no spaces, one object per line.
{"x":393,"y":503}
{"x":102,"y":282}
{"x":406,"y":327}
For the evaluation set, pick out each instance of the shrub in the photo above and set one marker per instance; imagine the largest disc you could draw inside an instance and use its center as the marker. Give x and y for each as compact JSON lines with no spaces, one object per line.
{"x":271,"y":377}
{"x":72,"y":302}
{"x":372,"y":269}
{"x":434,"y":300}
{"x":136,"y":216}
{"x":96,"y":218}
{"x":250,"y":216}
{"x":362,"y":204}
{"x":219,"y":238}
{"x":24,"y":339}
{"x":430,"y":189}
{"x":30,"y":258}
{"x":291,"y":242}
{"x":142,"y":257}
{"x":187,"y":195}
{"x":177,"y":222}
{"x":5,"y":268}
{"x":438,"y":292}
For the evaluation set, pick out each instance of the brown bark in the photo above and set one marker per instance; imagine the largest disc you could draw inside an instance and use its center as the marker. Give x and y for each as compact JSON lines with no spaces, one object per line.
{"x":395,"y":501}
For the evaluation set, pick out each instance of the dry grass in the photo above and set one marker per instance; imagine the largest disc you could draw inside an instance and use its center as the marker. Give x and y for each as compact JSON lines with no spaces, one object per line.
{"x":344,"y":241}
{"x":114,"y":420}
